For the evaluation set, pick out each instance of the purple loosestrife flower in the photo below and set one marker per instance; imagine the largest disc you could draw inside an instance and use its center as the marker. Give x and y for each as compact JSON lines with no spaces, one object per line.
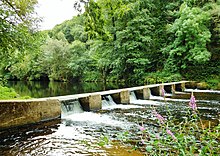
{"x":158,"y":116}
{"x":192,"y":102}
{"x":163,"y":92}
{"x":142,"y":128}
{"x":171,"y":134}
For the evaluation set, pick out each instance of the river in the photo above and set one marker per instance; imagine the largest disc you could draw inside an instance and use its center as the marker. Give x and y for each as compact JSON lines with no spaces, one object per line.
{"x":79,"y":132}
{"x":38,"y":89}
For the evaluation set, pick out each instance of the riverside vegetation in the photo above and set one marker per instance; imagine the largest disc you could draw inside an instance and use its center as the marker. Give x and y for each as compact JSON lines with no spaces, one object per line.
{"x":137,"y":41}
{"x":188,"y":135}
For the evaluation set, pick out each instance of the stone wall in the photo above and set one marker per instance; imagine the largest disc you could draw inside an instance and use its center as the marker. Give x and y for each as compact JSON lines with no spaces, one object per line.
{"x":21,"y":112}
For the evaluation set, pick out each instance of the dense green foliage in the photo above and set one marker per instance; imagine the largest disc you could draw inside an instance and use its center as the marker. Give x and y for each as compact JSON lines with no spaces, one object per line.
{"x":16,"y":23}
{"x":9,"y":93}
{"x":18,"y":37}
{"x":118,"y":40}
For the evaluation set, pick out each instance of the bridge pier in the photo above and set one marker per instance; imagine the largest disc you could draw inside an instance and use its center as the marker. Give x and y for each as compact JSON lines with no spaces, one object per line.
{"x":146,"y":93}
{"x":161,"y":88}
{"x":122,"y":97}
{"x":173,"y":88}
{"x":92,"y":102}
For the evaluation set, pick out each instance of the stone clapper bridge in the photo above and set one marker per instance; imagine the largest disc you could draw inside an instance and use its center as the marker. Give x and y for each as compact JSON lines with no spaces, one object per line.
{"x":21,"y":112}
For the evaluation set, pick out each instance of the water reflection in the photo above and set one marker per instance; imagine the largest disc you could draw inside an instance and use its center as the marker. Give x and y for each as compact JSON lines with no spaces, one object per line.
{"x":37,"y":89}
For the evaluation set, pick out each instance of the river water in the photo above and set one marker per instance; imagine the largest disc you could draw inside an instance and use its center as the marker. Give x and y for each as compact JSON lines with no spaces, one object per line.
{"x":79,"y":133}
{"x":39,"y":89}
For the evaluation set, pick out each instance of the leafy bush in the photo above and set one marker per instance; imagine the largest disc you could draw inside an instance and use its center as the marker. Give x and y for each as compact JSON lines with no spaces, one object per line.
{"x":214,"y":83}
{"x":201,"y":72}
{"x":161,"y":77}
{"x":9,"y":93}
{"x":92,"y":76}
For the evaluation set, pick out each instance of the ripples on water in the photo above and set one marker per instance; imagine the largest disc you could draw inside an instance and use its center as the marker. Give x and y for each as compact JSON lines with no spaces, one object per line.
{"x":79,"y":133}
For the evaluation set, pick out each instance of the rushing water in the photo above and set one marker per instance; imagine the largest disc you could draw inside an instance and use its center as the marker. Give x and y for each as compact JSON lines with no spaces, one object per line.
{"x":79,"y":132}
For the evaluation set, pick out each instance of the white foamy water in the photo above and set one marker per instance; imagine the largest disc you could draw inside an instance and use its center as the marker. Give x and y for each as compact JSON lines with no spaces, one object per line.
{"x":146,"y":102}
{"x":135,"y":101}
{"x":132,"y":97}
{"x":70,"y":107}
{"x":72,"y":132}
{"x":202,"y":91}
{"x":93,"y":118}
{"x":121,"y":106}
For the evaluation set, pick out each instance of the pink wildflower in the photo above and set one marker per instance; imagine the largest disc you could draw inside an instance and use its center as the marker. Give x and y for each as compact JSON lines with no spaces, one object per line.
{"x":159,"y":117}
{"x":162,"y":92}
{"x":192,"y":102}
{"x":142,"y":128}
{"x":142,"y":141}
{"x":172,"y":135}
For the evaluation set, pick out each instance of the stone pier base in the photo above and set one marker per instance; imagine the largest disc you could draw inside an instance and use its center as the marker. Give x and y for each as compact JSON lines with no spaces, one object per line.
{"x":122,"y":97}
{"x":91,"y":103}
{"x":146,"y":93}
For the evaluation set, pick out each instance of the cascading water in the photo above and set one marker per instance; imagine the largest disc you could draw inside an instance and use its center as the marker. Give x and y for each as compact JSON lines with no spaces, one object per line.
{"x":108,"y":101}
{"x":78,"y":132}
{"x":132,"y":96}
{"x":71,"y":106}
{"x":134,"y":100}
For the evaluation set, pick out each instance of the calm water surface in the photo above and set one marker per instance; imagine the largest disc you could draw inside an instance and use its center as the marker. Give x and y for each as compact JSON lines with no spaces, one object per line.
{"x":37,"y":89}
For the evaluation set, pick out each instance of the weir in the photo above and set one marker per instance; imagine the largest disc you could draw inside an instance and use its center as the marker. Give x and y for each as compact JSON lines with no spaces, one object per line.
{"x":20,"y":112}
{"x":108,"y":101}
{"x":70,"y":107}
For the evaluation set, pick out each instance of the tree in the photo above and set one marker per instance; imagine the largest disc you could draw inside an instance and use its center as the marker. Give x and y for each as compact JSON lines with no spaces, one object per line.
{"x":191,"y":36}
{"x":79,"y":59}
{"x":55,"y":59}
{"x":134,"y":40}
{"x":79,"y":5}
{"x":17,"y":31}
{"x":25,"y":65}
{"x":94,"y":24}
{"x":16,"y":24}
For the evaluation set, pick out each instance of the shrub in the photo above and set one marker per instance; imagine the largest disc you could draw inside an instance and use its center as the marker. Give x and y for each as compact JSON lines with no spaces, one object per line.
{"x":162,"y":77}
{"x":9,"y":93}
{"x":214,"y":83}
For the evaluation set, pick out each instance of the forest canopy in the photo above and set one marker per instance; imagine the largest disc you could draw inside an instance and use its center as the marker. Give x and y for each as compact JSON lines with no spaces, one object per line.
{"x":142,"y":41}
